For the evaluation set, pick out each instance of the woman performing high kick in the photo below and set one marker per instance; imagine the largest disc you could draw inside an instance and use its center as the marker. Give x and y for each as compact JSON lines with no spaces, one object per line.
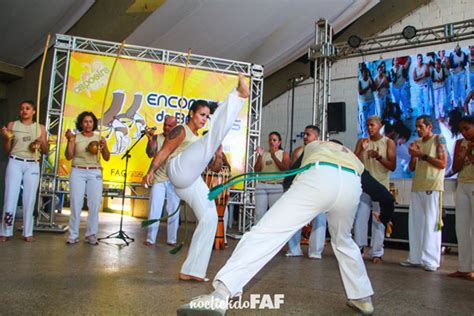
{"x":185,"y":156}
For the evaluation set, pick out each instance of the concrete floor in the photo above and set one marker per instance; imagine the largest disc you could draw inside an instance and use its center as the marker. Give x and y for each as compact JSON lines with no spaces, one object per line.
{"x":50,"y":278}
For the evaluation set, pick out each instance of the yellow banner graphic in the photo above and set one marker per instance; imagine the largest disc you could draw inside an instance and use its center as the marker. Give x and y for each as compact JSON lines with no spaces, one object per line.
{"x":141,"y":94}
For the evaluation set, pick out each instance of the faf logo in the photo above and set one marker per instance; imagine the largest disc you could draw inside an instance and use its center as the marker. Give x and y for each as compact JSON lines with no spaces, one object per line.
{"x":92,"y":77}
{"x":257,"y":301}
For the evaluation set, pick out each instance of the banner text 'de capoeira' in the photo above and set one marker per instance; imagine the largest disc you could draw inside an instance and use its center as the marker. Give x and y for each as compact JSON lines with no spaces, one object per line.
{"x":141,"y":94}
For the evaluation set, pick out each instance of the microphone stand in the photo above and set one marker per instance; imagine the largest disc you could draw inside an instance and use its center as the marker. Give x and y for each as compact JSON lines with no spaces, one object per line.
{"x":121,"y":234}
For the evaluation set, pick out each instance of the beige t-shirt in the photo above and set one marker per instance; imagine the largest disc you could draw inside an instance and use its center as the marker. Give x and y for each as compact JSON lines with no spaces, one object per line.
{"x":375,"y":168}
{"x":83,"y":158}
{"x":160,"y":173}
{"x":24,"y":135}
{"x":331,"y":152}
{"x":466,"y":174}
{"x":268,"y":165}
{"x":427,"y":177}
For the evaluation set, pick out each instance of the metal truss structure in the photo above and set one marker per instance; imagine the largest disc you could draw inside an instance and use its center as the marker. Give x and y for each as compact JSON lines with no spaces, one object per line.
{"x":452,"y":32}
{"x":324,"y":53}
{"x":51,"y":183}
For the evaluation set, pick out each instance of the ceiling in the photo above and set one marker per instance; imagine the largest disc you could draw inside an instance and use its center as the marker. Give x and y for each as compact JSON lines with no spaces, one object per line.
{"x":272,"y":33}
{"x":25,"y":24}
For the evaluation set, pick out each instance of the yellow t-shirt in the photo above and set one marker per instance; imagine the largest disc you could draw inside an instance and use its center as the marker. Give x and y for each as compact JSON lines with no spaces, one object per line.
{"x":83,"y":158}
{"x":375,"y":168}
{"x":268,"y":165}
{"x":466,"y":174}
{"x":24,"y":135}
{"x":427,"y":177}
{"x":333,"y":153}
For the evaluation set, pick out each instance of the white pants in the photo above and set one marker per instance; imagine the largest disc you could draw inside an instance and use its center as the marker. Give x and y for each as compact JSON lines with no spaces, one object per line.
{"x":319,"y":189}
{"x":19,"y":172}
{"x":424,"y":238}
{"x":380,"y":103}
{"x":316,"y":239}
{"x":361,"y":226}
{"x":266,"y":194}
{"x":83,"y":181}
{"x":185,"y":171}
{"x":459,"y":87}
{"x":157,"y":198}
{"x":400,"y":96}
{"x":465,"y":226}
{"x":439,"y":101}
{"x":422,"y":99}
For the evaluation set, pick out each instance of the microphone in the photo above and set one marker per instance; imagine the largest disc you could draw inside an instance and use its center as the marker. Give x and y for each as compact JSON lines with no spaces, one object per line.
{"x":146,"y":127}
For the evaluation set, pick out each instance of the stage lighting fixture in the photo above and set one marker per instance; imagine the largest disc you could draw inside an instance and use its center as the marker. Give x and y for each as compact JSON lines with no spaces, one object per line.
{"x":354,"y":41}
{"x":409,"y":32}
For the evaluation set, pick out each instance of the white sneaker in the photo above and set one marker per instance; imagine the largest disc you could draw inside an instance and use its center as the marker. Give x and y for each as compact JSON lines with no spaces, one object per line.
{"x":407,"y":263}
{"x":430,"y":268}
{"x":290,"y":254}
{"x":92,"y":240}
{"x":205,"y":304}
{"x":363,"y":305}
{"x":72,"y":241}
{"x":317,"y":257}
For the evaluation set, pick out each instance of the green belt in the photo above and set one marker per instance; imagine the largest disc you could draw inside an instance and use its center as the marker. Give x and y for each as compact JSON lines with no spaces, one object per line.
{"x":330,"y":164}
{"x":214,"y":191}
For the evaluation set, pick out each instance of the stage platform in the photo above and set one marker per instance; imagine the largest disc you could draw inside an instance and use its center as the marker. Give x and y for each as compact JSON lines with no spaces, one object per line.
{"x":48,"y":277}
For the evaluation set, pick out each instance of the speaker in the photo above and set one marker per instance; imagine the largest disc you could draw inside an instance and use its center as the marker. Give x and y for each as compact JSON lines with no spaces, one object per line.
{"x":336,"y":117}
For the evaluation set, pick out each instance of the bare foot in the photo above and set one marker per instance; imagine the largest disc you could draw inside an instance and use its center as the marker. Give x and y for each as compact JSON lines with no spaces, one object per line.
{"x":4,"y":238}
{"x":29,"y":239}
{"x":171,"y":244}
{"x":147,"y":243}
{"x":459,"y":274}
{"x":377,"y":260}
{"x":242,"y":87}
{"x":187,"y":277}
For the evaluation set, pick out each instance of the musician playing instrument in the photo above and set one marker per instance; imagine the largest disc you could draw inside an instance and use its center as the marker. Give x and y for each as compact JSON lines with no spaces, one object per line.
{"x":23,"y":138}
{"x":162,"y":188}
{"x":86,"y":175}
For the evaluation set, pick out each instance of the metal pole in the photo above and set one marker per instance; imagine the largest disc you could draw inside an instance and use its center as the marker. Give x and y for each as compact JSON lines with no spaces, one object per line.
{"x":293,"y":84}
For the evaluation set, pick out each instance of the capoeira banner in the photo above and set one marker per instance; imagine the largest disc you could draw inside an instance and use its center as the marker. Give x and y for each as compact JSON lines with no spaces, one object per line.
{"x":141,"y":94}
{"x":398,"y":90}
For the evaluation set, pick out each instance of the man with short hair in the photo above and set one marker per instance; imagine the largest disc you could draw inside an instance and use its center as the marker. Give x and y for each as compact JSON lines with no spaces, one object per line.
{"x":162,"y":188}
{"x":318,"y":225}
{"x":428,"y":161}
{"x":381,"y":82}
{"x":400,"y":84}
{"x":458,"y":61}
{"x":331,"y":183}
{"x":366,"y":99}
{"x":421,"y":73}
{"x":448,"y":82}
{"x":378,"y":154}
{"x":438,"y":78}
